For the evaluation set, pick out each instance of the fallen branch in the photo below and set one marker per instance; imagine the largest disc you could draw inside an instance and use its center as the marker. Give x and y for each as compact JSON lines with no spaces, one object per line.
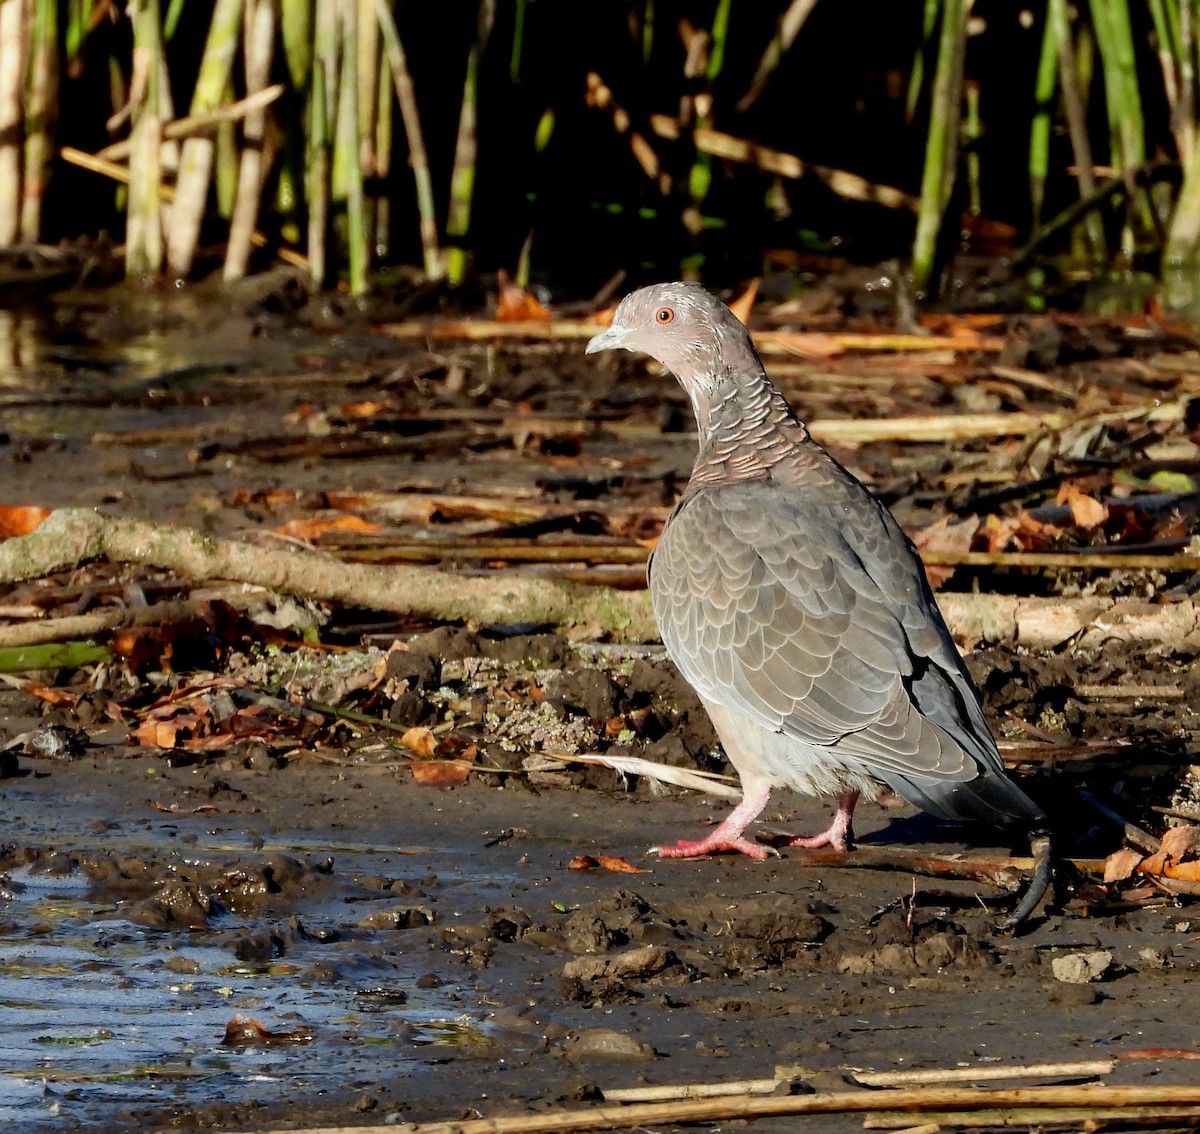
{"x":667,"y":1091}
{"x":1004,"y":871}
{"x":913,"y":1100}
{"x":71,"y":536}
{"x":1087,"y":1117}
{"x":982,"y":1074}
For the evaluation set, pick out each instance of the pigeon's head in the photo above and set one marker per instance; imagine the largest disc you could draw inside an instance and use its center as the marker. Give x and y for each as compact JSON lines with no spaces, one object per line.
{"x":692,"y":333}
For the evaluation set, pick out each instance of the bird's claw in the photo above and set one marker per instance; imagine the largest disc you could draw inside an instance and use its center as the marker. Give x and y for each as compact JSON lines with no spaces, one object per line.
{"x":714,"y":844}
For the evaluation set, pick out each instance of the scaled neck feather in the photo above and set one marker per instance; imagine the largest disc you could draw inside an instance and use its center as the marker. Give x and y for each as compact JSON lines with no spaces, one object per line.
{"x":747,"y":427}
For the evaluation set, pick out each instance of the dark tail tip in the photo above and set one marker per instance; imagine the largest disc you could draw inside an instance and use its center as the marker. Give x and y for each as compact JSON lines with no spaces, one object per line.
{"x":1039,"y":883}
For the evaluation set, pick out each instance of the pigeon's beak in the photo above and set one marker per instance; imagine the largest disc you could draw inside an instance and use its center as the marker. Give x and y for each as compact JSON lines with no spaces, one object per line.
{"x":613,"y":337}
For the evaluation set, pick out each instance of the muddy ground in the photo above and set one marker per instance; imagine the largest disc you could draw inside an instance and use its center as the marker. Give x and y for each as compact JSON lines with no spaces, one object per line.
{"x":420,"y":952}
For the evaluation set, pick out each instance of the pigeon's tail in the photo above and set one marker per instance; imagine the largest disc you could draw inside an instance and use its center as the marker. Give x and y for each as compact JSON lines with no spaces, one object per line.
{"x":995,"y":798}
{"x":990,"y":796}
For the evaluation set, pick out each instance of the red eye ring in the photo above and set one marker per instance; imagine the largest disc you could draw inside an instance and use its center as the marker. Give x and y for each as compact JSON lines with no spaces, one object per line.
{"x":664,"y":315}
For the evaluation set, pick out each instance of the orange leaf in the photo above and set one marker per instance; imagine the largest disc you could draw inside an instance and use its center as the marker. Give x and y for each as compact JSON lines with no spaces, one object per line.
{"x":744,"y":304}
{"x":365,"y":409}
{"x":1177,"y":841}
{"x":515,"y":304}
{"x":1159,"y":1053}
{"x":1183,"y":871}
{"x":618,"y":865}
{"x":16,"y":520}
{"x":420,"y":740}
{"x":1121,"y":864}
{"x":49,"y":695}
{"x":610,"y":862}
{"x":442,"y":773}
{"x":944,"y":536}
{"x":317,"y":526}
{"x":1086,"y":511}
{"x":1175,"y":845}
{"x":160,"y":734}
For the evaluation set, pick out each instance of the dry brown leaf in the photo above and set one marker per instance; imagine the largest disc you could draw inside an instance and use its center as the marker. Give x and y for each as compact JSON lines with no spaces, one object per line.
{"x":163,"y":734}
{"x":610,"y":862}
{"x":1016,"y":533}
{"x":420,"y":740}
{"x":1160,"y":1053}
{"x":515,"y":305}
{"x":50,"y":695}
{"x":944,"y":536}
{"x":18,"y":520}
{"x":317,"y":526}
{"x":365,"y":408}
{"x":1086,"y":511}
{"x":441,"y":773}
{"x":1183,"y":871}
{"x":743,"y":306}
{"x":1176,"y":844}
{"x":1178,"y":841}
{"x":1121,"y":864}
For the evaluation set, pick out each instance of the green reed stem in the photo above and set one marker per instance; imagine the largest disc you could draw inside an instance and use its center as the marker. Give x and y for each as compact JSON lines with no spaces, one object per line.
{"x":347,"y":153}
{"x":916,"y":80}
{"x":12,"y":15}
{"x":258,"y":52}
{"x":462,"y":177}
{"x":41,"y":108}
{"x":384,"y":125}
{"x":1045,"y":89}
{"x":320,"y":120}
{"x":143,"y":225}
{"x":941,"y":146}
{"x":196,"y":159}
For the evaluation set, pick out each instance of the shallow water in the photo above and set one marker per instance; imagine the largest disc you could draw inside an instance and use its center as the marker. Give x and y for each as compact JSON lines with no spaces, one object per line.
{"x":102,"y":1012}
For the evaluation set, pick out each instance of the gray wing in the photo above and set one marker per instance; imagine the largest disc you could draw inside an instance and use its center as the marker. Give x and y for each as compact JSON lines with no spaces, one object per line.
{"x":809,"y":612}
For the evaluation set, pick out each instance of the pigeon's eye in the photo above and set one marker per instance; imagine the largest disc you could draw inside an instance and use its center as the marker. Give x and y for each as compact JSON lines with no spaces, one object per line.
{"x":664,"y":315}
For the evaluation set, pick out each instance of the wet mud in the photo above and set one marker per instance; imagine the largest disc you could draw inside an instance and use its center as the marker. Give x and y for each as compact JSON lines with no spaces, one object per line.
{"x":278,"y":934}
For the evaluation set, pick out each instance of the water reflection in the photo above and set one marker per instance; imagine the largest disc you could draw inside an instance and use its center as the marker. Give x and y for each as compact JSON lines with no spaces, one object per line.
{"x":20,"y":347}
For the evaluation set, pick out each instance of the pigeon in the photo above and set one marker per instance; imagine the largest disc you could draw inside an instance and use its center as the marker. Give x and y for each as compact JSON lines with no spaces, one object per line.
{"x":796,"y":607}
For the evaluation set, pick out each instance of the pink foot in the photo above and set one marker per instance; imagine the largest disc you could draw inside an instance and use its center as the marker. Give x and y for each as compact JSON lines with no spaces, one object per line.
{"x":727,"y":836}
{"x":839,"y":832}
{"x":830,"y":838}
{"x":712,"y":845}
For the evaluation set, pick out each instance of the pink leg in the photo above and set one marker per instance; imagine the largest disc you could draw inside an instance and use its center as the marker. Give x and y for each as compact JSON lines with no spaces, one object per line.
{"x":839,"y":832}
{"x":728,"y":836}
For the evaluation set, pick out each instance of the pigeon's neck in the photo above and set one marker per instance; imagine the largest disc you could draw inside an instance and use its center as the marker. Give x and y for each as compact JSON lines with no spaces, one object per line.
{"x":747,"y":429}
